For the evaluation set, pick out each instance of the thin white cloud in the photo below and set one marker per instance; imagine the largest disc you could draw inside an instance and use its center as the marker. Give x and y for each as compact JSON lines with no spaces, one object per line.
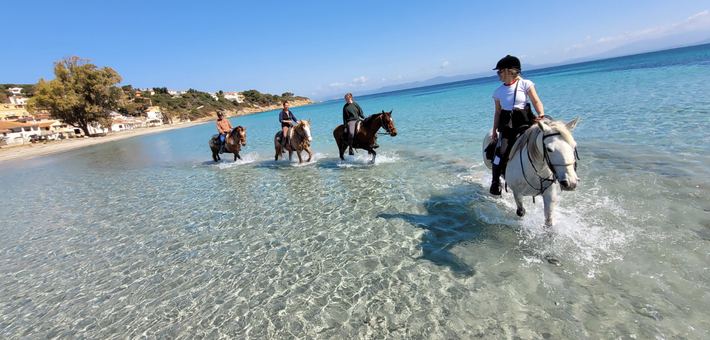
{"x":359,"y":81}
{"x":445,"y":64}
{"x":700,"y":21}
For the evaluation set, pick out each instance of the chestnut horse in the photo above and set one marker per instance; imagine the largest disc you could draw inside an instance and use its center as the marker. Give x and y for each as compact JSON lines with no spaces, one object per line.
{"x":299,"y":141}
{"x":233,"y":143}
{"x":367,"y":135}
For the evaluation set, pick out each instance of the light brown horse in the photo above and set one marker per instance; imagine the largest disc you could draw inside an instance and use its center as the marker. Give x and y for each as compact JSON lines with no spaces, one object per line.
{"x":367,"y":135}
{"x":299,"y":141}
{"x":233,"y":143}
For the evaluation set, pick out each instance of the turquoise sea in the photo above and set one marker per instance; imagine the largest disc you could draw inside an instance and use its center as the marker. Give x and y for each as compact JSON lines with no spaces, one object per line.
{"x":147,"y":238}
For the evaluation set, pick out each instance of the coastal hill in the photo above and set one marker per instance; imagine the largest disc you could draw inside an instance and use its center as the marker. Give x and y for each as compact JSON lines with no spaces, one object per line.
{"x":191,"y":104}
{"x":275,"y":106}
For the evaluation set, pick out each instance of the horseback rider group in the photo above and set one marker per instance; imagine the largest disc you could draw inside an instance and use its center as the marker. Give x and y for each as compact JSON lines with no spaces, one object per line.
{"x":513,"y":115}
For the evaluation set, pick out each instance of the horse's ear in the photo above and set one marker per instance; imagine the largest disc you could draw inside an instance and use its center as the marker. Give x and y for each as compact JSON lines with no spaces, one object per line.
{"x":543,"y":126}
{"x":572,"y":124}
{"x":309,"y":120}
{"x":390,"y":113}
{"x":244,"y":128}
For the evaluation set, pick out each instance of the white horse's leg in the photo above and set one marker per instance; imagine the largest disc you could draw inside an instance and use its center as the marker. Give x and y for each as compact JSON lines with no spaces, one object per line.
{"x":519,"y":203}
{"x":549,"y":198}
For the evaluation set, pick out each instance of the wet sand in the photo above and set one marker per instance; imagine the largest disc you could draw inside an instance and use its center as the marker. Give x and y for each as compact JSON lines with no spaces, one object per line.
{"x":32,"y":150}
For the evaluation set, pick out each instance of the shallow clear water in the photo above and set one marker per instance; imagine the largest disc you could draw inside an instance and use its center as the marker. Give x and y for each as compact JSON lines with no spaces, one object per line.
{"x":148,"y":238}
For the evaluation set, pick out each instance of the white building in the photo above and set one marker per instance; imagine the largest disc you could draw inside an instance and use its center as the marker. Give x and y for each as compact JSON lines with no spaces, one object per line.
{"x":154,"y":116}
{"x":234,"y":96}
{"x":16,"y":100}
{"x":13,"y":133}
{"x":16,"y":91}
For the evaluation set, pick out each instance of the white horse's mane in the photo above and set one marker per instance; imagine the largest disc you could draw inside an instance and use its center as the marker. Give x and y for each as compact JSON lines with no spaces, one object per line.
{"x":531,"y":135}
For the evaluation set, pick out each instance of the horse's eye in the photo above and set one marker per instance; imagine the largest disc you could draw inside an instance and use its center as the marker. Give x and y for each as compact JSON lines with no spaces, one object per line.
{"x":549,"y":149}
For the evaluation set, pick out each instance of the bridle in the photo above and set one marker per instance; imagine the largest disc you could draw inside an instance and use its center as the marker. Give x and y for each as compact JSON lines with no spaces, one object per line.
{"x":238,"y":134}
{"x":304,"y":138}
{"x":549,"y":180}
{"x":389,"y":132}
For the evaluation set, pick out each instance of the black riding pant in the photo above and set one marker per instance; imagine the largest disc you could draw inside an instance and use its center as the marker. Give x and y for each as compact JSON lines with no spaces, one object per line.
{"x":511,"y":124}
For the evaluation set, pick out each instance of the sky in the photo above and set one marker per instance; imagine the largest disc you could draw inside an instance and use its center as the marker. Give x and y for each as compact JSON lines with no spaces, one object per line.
{"x":321,"y":49}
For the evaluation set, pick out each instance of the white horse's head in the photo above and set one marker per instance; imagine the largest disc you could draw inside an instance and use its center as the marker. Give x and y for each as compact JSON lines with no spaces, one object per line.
{"x":559,"y":151}
{"x":306,"y":129}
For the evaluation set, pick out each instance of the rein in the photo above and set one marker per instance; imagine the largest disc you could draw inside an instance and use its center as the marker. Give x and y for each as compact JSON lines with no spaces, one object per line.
{"x":383,"y":126}
{"x":549,"y":164}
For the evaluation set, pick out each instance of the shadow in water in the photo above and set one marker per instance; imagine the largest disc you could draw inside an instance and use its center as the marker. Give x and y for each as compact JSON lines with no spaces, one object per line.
{"x":448,"y":221}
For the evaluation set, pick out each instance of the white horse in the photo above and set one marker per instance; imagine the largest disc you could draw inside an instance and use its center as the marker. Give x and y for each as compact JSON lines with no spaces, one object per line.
{"x":544,"y":157}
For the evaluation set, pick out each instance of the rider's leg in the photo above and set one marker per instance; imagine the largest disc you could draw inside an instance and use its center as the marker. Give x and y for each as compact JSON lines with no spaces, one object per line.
{"x":221,"y":142}
{"x":284,"y":136}
{"x":499,"y":164}
{"x":352,"y":130}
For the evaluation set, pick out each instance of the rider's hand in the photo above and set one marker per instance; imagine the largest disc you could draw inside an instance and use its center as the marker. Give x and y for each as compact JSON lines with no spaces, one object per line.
{"x":539,"y":118}
{"x":495,"y":137}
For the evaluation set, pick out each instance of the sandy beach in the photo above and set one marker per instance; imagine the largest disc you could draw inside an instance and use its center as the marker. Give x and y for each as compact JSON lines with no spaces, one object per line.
{"x":32,"y":150}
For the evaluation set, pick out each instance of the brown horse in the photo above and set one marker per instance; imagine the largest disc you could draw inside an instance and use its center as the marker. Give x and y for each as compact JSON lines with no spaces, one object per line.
{"x":299,"y":141}
{"x":233,"y":143}
{"x":367,"y":135}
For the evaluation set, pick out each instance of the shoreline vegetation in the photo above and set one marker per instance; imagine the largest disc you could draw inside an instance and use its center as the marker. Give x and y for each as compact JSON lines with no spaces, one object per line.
{"x":82,"y":95}
{"x":30,"y":150}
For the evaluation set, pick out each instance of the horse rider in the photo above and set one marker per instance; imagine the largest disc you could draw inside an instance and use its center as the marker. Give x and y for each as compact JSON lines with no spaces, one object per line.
{"x":352,"y":115}
{"x":223,"y":127}
{"x":512,"y":113}
{"x":286,"y":118}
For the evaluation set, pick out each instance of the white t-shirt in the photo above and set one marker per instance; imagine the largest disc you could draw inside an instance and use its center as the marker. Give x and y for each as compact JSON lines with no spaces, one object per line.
{"x":505,"y":94}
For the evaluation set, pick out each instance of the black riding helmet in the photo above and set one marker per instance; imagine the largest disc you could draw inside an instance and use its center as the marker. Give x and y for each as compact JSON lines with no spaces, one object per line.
{"x":509,"y":62}
{"x":220,"y":114}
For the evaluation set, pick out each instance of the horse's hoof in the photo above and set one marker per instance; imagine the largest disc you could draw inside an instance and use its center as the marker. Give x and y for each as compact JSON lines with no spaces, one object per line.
{"x":552,"y":260}
{"x":520,"y":212}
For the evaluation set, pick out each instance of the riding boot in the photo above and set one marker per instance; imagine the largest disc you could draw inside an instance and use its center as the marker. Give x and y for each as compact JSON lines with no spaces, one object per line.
{"x":221,"y":148}
{"x":350,"y":142}
{"x":495,"y":182}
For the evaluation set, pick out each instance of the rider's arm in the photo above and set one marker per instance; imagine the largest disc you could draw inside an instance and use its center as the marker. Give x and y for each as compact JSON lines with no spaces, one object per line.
{"x":495,"y":120}
{"x":359,"y":111}
{"x":537,"y":104}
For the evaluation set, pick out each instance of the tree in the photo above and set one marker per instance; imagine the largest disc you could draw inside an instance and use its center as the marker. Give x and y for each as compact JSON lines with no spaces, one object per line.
{"x":104,"y":123}
{"x":81,"y":93}
{"x":287,"y":94}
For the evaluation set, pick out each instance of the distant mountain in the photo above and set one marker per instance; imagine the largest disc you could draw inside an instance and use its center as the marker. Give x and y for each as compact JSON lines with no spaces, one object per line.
{"x":428,"y":82}
{"x":651,"y":45}
{"x":644,"y":46}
